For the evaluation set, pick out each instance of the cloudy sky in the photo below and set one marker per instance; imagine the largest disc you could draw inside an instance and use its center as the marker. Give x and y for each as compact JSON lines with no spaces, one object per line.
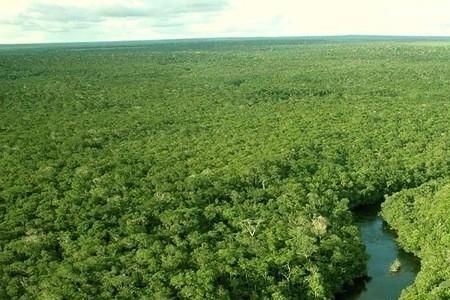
{"x":35,"y":21}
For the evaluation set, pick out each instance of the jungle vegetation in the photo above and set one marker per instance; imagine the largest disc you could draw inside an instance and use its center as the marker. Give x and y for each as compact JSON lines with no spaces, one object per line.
{"x":219,"y":169}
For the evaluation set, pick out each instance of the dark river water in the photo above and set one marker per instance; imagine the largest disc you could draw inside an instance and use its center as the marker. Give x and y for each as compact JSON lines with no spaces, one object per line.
{"x":383,"y":250}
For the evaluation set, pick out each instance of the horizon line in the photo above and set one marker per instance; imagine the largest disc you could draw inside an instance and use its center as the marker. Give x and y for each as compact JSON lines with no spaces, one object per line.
{"x":406,"y":36}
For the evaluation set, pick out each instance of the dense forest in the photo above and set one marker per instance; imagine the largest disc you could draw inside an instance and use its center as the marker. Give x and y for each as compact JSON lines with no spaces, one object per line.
{"x":219,"y":169}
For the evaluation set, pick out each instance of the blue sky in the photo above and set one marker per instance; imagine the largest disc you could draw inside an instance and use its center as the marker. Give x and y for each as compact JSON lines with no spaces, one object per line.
{"x":35,"y":21}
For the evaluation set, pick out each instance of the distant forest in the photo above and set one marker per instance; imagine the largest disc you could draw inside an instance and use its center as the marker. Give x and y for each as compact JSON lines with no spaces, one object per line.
{"x":220,"y":169}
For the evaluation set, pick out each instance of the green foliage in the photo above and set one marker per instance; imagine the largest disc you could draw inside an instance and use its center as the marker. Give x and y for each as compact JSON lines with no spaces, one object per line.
{"x":395,"y":266}
{"x":420,"y":216}
{"x":205,"y":170}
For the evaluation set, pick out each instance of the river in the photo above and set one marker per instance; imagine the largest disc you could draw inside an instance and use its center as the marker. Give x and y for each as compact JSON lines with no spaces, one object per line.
{"x":383,"y":250}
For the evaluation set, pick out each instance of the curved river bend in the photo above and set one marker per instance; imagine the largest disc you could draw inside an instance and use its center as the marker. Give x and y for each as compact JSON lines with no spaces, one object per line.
{"x":383,"y":250}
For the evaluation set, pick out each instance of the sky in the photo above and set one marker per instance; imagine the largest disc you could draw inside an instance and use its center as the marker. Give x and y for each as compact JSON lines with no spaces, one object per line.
{"x":49,"y":21}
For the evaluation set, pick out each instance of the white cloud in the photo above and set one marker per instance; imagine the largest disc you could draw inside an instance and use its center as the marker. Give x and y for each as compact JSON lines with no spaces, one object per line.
{"x":86,"y":20}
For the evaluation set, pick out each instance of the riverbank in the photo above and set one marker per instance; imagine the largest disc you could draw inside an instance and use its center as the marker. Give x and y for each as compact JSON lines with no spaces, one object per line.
{"x":382,"y":249}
